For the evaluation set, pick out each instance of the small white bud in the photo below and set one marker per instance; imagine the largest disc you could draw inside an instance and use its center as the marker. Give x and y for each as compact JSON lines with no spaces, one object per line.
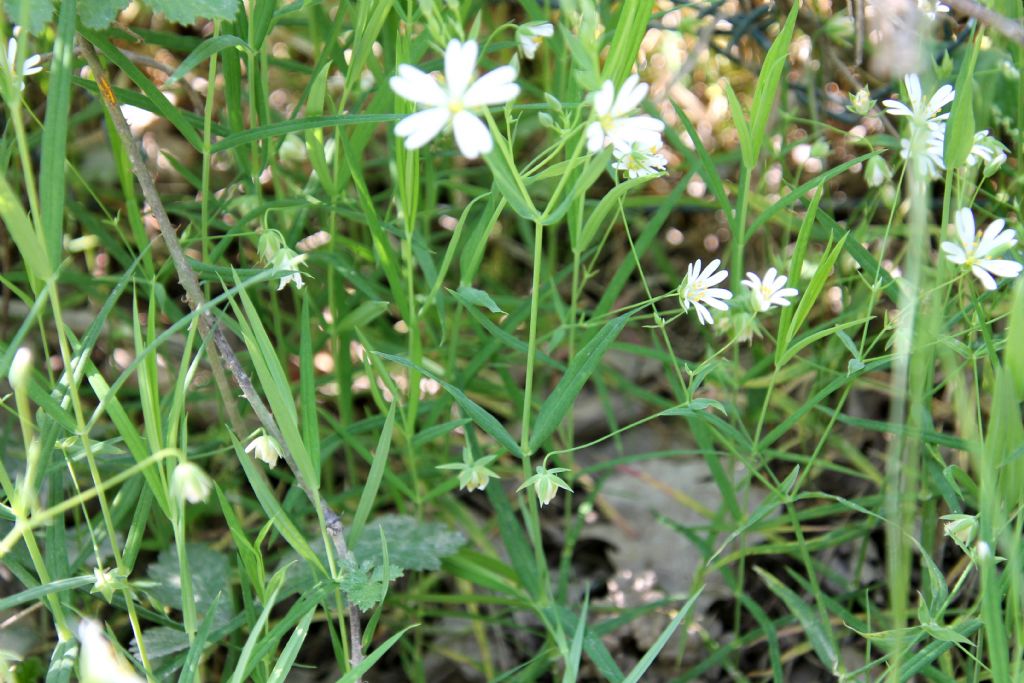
{"x":264,"y":448}
{"x":21,"y":369}
{"x":190,"y":483}
{"x":98,"y":662}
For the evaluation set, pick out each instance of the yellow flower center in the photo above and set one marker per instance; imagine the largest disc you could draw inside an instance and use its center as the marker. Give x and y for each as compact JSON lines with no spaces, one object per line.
{"x":455,"y":106}
{"x":607,"y":122}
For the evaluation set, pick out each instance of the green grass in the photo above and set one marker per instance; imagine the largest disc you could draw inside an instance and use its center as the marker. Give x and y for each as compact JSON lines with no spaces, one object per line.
{"x":861,"y":448}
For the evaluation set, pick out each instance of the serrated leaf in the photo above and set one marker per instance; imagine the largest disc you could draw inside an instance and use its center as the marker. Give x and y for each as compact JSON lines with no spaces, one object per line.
{"x":97,"y":14}
{"x":37,"y":15}
{"x":187,"y":11}
{"x":210,"y":576}
{"x":412,"y":545}
{"x":161,"y":641}
{"x":364,"y":584}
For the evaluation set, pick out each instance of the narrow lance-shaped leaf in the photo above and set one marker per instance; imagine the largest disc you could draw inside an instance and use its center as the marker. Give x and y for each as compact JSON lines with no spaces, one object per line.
{"x":580,"y":369}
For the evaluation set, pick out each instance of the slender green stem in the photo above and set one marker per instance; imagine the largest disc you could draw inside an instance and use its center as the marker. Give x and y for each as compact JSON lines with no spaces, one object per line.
{"x":531,"y":353}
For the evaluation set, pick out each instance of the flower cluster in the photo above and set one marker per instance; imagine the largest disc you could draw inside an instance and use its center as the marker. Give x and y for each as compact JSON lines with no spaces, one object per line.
{"x":926,"y":134}
{"x":457,"y":100}
{"x":699,"y":291}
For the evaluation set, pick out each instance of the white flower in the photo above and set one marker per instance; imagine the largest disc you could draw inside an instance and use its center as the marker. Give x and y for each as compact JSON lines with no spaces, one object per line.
{"x":473,"y":474}
{"x":451,"y":103}
{"x":190,"y":483}
{"x":921,"y":110}
{"x":986,"y":151}
{"x":769,"y":291}
{"x":876,"y":171}
{"x":287,"y":259}
{"x":98,"y":662}
{"x":700,"y":292}
{"x":976,"y":254}
{"x":638,"y":160}
{"x":264,"y":448}
{"x":546,"y":483}
{"x":29,"y":67}
{"x":531,"y":35}
{"x":613,"y":126}
{"x":926,"y":133}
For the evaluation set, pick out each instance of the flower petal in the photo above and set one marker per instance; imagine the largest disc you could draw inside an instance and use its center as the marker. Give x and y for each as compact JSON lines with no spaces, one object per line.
{"x":471,"y":135}
{"x":420,"y":128}
{"x":494,"y":87}
{"x":630,"y":95}
{"x":1001,"y":267}
{"x":604,"y":99}
{"x":965,"y":227}
{"x":986,"y":280}
{"x":416,"y":86}
{"x":459,"y":64}
{"x":595,"y":137}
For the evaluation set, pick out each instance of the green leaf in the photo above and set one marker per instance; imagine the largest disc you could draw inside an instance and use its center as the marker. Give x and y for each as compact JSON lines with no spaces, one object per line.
{"x":162,"y":641}
{"x":768,"y":83}
{"x":373,"y":479}
{"x":412,"y":545}
{"x":645,"y":662}
{"x":960,"y":126}
{"x":818,"y":633}
{"x":34,"y":18}
{"x":1012,"y":356}
{"x":283,"y":665}
{"x":580,"y":369}
{"x":474,"y":411}
{"x":187,"y":11}
{"x":356,"y":672}
{"x":97,"y":14}
{"x":608,"y":202}
{"x":477,"y":297}
{"x":22,"y":232}
{"x":205,"y":50}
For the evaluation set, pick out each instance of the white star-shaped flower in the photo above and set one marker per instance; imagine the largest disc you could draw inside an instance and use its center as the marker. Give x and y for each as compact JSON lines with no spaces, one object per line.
{"x":976,"y":254}
{"x":450,"y":103}
{"x":29,"y":67}
{"x":613,"y":126}
{"x":699,"y":291}
{"x":531,"y":35}
{"x":771,"y":290}
{"x":926,"y":132}
{"x":637,"y":160}
{"x":921,"y":110}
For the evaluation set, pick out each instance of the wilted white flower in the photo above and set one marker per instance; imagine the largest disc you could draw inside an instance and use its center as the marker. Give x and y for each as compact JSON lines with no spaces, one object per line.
{"x":531,"y":35}
{"x":98,"y":662}
{"x":452,"y":102}
{"x":986,"y":151}
{"x":770,"y":290}
{"x":190,"y":483}
{"x":287,"y":259}
{"x":292,"y":151}
{"x":546,"y":483}
{"x":876,"y":171}
{"x":21,"y":369}
{"x":29,"y":67}
{"x":473,"y":474}
{"x":861,"y":102}
{"x":699,"y":291}
{"x":976,"y":254}
{"x":265,"y":448}
{"x":613,"y":126}
{"x":637,"y":160}
{"x":926,"y":135}
{"x":931,"y":8}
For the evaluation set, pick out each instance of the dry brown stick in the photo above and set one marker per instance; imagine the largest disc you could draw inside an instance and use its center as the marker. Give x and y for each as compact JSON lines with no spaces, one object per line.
{"x":207,"y":326}
{"x":1013,"y":30}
